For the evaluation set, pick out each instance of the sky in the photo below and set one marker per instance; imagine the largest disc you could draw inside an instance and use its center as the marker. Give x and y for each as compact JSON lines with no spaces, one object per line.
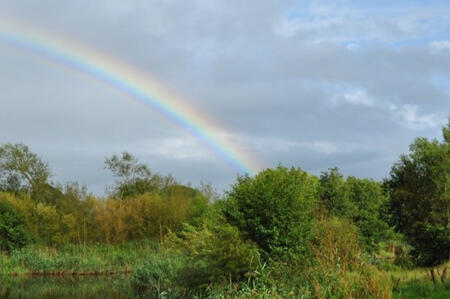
{"x":310,"y":84}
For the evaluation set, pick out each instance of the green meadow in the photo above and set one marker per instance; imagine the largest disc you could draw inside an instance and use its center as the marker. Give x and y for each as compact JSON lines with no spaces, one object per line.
{"x":282,"y":233}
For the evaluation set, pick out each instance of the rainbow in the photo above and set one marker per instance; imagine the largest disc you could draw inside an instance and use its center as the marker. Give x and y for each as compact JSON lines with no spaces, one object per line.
{"x":132,"y":83}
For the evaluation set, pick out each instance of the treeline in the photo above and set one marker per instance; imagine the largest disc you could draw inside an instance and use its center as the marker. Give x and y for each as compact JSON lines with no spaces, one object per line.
{"x":141,"y":204}
{"x":283,"y":232}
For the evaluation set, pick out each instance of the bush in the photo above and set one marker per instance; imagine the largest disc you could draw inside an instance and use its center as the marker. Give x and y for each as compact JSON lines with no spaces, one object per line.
{"x":274,"y":209}
{"x":340,"y":269}
{"x":215,"y":253}
{"x":158,"y":275}
{"x":196,"y":258}
{"x":12,"y":226}
{"x":336,"y":242}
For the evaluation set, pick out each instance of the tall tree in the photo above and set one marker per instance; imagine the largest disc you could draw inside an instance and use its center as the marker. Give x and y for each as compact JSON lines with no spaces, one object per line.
{"x":134,"y":178}
{"x":333,"y":194}
{"x":369,"y":199}
{"x":420,"y":198}
{"x":22,"y":170}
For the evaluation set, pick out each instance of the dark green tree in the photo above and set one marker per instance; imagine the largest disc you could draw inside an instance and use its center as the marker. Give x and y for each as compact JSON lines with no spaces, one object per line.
{"x":368,"y":197}
{"x":420,"y":198}
{"x":359,"y":200}
{"x":12,"y":227}
{"x":334,"y":196}
{"x":274,"y":209}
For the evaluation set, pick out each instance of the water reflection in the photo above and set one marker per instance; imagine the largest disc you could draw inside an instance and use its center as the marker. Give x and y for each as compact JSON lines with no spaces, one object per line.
{"x":115,"y":286}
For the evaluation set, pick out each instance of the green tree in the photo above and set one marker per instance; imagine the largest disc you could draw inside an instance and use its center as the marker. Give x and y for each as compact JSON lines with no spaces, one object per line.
{"x":420,"y":198}
{"x":274,"y":209}
{"x":334,"y":196}
{"x":23,"y":170}
{"x":12,"y":226}
{"x":369,"y":199}
{"x":358,"y":200}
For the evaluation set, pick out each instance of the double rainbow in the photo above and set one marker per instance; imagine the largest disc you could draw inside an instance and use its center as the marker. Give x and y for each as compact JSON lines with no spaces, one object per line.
{"x":132,"y":83}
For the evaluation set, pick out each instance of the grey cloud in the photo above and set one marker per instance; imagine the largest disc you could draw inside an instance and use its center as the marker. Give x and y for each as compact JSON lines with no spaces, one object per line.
{"x":233,"y":61}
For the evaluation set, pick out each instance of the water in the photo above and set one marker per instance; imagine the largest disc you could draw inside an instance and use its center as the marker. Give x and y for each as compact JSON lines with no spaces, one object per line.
{"x":114,"y":286}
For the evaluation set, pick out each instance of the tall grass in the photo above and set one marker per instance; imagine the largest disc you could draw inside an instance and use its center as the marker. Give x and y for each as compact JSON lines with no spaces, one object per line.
{"x":76,"y":259}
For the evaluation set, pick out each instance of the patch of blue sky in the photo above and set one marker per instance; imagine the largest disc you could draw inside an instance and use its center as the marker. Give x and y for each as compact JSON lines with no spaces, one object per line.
{"x":415,"y":22}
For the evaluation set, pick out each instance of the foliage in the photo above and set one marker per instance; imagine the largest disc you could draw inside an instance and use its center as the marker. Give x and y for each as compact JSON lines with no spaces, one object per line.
{"x":76,"y":259}
{"x":420,"y":198}
{"x":80,"y":218}
{"x":274,"y":209}
{"x":158,"y":275}
{"x":340,"y":269}
{"x":214,"y":253}
{"x":144,"y":216}
{"x":12,"y":225}
{"x":336,"y":242}
{"x":333,"y":195}
{"x":360,"y":200}
{"x":369,"y":199}
{"x":134,"y":178}
{"x":283,"y":233}
{"x":23,"y":170}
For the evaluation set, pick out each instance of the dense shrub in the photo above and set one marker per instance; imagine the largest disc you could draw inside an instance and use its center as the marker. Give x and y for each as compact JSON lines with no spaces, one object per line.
{"x":215,"y":253}
{"x":340,"y":268}
{"x":158,"y":275}
{"x":274,"y":209}
{"x":336,"y":241}
{"x":196,"y":259}
{"x":12,"y":225}
{"x":145,"y":216}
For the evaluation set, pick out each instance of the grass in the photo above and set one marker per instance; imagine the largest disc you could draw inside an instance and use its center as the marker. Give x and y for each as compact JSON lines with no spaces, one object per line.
{"x":76,"y":259}
{"x":421,"y":289}
{"x":417,"y":283}
{"x":57,"y":269}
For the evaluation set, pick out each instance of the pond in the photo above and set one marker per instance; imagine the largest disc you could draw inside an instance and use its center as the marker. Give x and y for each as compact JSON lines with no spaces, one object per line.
{"x":114,"y":286}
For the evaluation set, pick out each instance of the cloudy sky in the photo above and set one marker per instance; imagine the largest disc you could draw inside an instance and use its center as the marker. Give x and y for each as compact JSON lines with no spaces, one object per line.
{"x":313,"y":84}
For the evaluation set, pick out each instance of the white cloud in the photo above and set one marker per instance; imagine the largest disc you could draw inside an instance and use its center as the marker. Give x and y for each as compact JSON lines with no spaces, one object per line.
{"x":440,"y":45}
{"x":324,"y":147}
{"x":409,"y":116}
{"x":358,"y":98}
{"x":271,"y":145}
{"x":179,"y":148}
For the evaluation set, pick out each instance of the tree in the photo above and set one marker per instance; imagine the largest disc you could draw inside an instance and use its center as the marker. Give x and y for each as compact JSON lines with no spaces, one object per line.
{"x":133,"y":178}
{"x":22,"y":170}
{"x":274,"y":209}
{"x":333,"y":194}
{"x":420,"y":198}
{"x":368,"y":197}
{"x":358,"y":200}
